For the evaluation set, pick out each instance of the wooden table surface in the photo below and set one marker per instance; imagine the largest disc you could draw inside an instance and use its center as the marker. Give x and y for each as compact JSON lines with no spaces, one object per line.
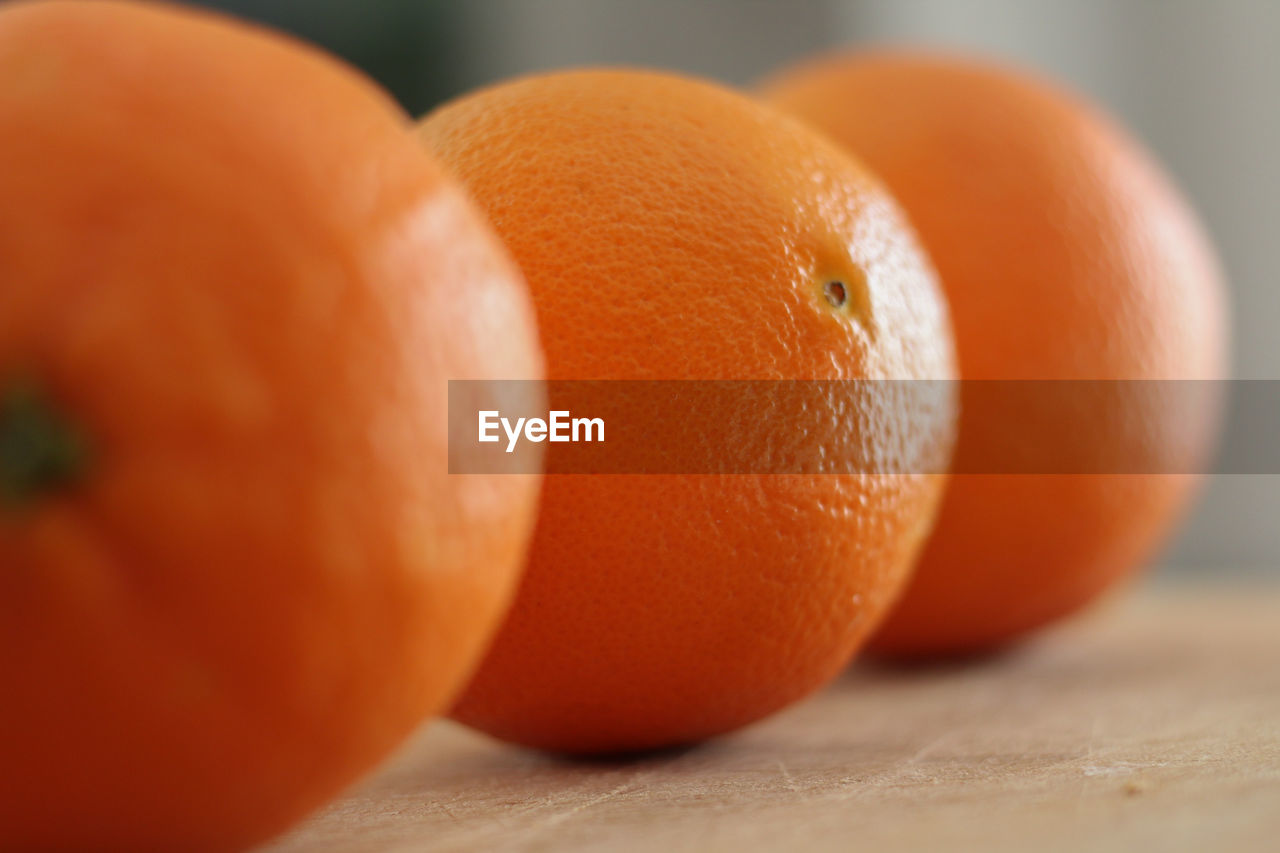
{"x":1153,"y":723}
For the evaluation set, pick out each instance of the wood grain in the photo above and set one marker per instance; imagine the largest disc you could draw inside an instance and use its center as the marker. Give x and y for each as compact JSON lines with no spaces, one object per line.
{"x":1151,"y":724}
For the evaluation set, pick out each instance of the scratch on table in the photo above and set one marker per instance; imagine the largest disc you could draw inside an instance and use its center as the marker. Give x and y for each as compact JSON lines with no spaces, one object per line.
{"x":853,"y":786}
{"x":927,"y":748}
{"x":787,"y":778}
{"x":1118,"y":768}
{"x":558,"y":818}
{"x":441,"y":805}
{"x":1078,"y":802}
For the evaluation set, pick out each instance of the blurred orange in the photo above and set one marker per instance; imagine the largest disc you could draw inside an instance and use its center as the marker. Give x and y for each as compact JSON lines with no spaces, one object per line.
{"x":1066,"y":254}
{"x":234,"y":572}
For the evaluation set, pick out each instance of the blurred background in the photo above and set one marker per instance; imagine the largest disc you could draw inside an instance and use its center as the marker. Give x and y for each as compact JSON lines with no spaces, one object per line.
{"x":1197,"y":80}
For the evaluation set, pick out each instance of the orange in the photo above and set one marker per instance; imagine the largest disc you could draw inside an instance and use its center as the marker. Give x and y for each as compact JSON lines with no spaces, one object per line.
{"x":1066,"y":254}
{"x":672,"y":230}
{"x":234,"y":572}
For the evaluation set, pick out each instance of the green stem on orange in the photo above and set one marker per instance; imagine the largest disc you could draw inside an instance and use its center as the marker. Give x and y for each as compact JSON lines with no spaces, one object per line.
{"x":41,"y":450}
